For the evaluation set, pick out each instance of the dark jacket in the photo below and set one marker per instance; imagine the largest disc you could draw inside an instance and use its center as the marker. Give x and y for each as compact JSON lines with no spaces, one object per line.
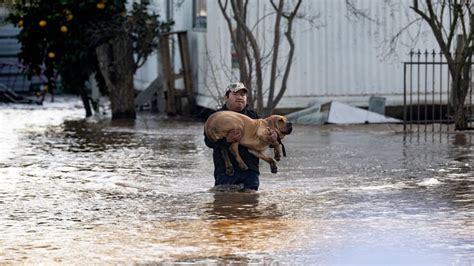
{"x":219,"y":165}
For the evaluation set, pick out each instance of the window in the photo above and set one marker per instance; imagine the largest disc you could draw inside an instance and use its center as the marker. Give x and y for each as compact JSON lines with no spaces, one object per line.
{"x":200,"y":14}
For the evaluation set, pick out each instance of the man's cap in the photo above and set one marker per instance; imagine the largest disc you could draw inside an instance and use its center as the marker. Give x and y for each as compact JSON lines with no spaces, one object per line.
{"x":235,"y":87}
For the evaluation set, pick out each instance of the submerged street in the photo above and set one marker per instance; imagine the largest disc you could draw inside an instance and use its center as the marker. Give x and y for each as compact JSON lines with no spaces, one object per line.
{"x":95,"y":191}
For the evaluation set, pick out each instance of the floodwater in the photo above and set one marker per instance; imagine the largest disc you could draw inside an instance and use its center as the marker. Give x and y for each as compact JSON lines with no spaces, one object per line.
{"x":75,"y":191}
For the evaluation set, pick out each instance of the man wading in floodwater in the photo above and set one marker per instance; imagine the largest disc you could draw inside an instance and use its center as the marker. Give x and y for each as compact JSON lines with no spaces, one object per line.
{"x":236,"y":100}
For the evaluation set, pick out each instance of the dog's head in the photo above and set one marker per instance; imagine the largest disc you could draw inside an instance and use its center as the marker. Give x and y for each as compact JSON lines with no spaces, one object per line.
{"x":281,"y":124}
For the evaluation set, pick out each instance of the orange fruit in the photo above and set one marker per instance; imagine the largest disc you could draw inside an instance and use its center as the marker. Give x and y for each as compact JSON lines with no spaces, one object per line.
{"x":63,"y":29}
{"x":69,"y":17}
{"x":51,"y":55}
{"x":20,"y":23}
{"x":43,"y":23}
{"x":100,"y":5}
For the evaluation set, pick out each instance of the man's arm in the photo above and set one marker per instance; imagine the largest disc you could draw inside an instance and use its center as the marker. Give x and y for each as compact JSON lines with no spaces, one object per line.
{"x":214,"y":145}
{"x":233,"y":136}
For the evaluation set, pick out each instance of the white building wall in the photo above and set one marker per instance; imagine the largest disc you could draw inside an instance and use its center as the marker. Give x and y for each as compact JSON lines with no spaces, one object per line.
{"x":183,"y":18}
{"x":181,"y":14}
{"x":341,"y":58}
{"x":149,"y":71}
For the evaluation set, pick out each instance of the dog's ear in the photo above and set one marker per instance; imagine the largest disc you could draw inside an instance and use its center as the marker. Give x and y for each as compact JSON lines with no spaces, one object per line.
{"x":273,"y":122}
{"x":279,"y":122}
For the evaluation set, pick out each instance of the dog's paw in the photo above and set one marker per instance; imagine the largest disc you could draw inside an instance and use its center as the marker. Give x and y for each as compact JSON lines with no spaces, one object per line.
{"x":274,"y":169}
{"x":277,"y":158}
{"x":243,"y":167}
{"x":229,"y":171}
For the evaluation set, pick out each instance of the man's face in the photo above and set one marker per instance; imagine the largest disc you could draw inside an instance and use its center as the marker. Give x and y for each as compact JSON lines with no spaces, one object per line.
{"x":236,"y":101}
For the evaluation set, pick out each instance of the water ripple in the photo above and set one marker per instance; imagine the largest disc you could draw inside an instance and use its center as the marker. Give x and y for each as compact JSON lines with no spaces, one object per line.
{"x":73,"y":190}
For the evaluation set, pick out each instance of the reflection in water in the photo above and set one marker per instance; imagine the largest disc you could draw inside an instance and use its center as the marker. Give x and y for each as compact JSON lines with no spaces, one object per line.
{"x":74,"y":190}
{"x":234,"y":205}
{"x":462,"y":147}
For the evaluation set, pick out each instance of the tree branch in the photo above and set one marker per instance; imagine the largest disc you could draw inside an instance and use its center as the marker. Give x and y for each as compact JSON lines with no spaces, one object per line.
{"x":445,"y":48}
{"x":289,"y":38}
{"x":253,"y":43}
{"x":358,"y":13}
{"x":276,"y":49}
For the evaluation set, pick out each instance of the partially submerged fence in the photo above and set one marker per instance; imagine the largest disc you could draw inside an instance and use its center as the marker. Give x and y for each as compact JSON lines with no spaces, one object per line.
{"x":427,"y":90}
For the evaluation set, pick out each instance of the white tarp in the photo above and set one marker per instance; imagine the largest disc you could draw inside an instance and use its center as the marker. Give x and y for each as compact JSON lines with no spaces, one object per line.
{"x":338,"y":113}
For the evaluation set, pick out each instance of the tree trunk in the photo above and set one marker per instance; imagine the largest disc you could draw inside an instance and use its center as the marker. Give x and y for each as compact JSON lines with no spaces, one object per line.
{"x":74,"y":81}
{"x":239,"y":16}
{"x":242,"y":57}
{"x":242,"y":53}
{"x":460,"y":85}
{"x":117,"y":67}
{"x":85,"y":101}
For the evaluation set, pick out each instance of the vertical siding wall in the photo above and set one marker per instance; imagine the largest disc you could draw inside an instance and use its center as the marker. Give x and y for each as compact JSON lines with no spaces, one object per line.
{"x":340,"y":57}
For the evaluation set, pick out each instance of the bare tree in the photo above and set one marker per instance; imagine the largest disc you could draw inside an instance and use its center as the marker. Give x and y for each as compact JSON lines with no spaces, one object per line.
{"x":117,"y":66}
{"x":357,"y":13}
{"x":250,"y":53}
{"x":451,"y":22}
{"x":461,"y":26}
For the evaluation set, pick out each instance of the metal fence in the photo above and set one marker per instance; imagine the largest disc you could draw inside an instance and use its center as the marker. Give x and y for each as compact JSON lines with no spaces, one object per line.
{"x":427,"y":85}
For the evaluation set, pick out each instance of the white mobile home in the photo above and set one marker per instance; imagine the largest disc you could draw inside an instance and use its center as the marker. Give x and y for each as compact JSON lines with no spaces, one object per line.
{"x":344,"y":54}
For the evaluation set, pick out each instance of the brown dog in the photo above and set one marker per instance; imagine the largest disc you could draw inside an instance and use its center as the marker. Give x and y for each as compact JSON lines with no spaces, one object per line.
{"x":256,"y":135}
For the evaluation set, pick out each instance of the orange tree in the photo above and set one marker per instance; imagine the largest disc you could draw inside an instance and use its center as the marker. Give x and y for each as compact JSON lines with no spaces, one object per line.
{"x":122,"y":46}
{"x":62,"y":37}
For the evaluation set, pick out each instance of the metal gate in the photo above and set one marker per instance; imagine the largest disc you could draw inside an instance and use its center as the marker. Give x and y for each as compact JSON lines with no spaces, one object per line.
{"x":427,"y":85}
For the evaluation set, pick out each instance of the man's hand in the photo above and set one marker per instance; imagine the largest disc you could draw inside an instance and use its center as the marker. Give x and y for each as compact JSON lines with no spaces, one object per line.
{"x":234,"y":136}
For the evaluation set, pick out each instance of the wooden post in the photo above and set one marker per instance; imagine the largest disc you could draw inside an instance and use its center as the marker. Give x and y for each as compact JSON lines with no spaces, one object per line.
{"x":186,"y":65}
{"x":167,"y":75}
